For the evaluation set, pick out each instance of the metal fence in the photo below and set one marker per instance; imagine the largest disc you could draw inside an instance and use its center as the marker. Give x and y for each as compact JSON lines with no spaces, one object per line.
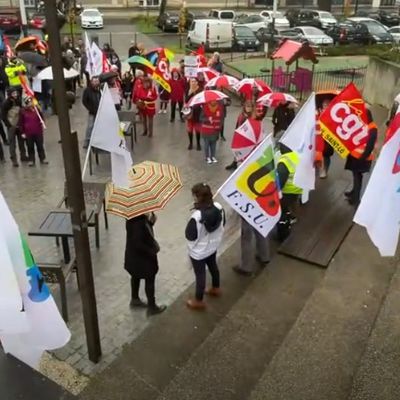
{"x":301,"y":85}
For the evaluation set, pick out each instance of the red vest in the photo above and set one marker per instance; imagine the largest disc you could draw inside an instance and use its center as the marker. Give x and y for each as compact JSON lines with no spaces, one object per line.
{"x":210,"y":123}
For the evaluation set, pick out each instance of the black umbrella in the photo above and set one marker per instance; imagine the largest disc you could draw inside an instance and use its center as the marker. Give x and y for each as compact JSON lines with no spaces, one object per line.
{"x":108,"y":75}
{"x":33,"y":58}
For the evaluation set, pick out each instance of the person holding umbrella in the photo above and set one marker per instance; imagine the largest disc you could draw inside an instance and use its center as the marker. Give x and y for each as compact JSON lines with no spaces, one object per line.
{"x":282,"y":117}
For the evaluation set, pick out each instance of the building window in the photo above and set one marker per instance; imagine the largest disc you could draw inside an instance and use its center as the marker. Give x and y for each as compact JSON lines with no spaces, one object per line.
{"x":388,"y":2}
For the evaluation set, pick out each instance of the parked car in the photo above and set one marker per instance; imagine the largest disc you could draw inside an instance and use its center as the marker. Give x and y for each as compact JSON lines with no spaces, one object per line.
{"x":91,"y":18}
{"x":10,"y":19}
{"x":395,"y":32}
{"x":348,"y":32}
{"x":265,"y":35}
{"x":313,"y":35}
{"x":225,"y":15}
{"x":244,"y":39}
{"x":168,"y":21}
{"x":192,"y":15}
{"x":377,"y":33}
{"x":254,"y":22}
{"x":303,"y":18}
{"x":386,"y":18}
{"x":213,"y":33}
{"x":326,"y":18}
{"x":280,"y":20}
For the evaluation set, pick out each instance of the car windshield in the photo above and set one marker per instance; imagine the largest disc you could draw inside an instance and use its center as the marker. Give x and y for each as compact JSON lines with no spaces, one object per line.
{"x":226,"y":15}
{"x":326,"y":15}
{"x":91,"y":13}
{"x":312,"y":31}
{"x":278,"y":14}
{"x":243,"y":31}
{"x":374,"y":27}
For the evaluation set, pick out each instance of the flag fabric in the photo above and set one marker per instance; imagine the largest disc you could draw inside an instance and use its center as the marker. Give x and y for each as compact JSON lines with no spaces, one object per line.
{"x":300,"y":137}
{"x":379,"y":209}
{"x":39,"y":324}
{"x":96,"y":57}
{"x":89,"y":63}
{"x":344,"y":124}
{"x":106,"y":63}
{"x":252,"y":190}
{"x":161,"y":74}
{"x":108,"y":135}
{"x":8,"y":48}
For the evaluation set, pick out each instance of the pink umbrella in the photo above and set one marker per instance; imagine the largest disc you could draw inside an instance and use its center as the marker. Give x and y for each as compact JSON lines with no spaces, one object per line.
{"x":247,"y":85}
{"x":205,"y":97}
{"x":222,"y":81}
{"x":275,"y":99}
{"x":246,"y":137}
{"x":208,"y":73}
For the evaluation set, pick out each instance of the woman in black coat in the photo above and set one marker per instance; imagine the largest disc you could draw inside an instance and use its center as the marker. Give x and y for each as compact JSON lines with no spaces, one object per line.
{"x":141,"y":260}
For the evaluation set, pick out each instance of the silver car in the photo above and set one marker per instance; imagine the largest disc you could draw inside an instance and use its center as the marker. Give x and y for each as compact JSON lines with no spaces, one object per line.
{"x":314,"y":35}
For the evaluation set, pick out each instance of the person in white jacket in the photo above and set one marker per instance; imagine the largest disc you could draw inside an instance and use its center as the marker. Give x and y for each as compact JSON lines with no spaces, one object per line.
{"x":204,"y":233}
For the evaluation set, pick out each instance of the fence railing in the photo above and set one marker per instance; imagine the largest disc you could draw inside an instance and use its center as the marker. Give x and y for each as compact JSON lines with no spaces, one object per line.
{"x":302,"y":84}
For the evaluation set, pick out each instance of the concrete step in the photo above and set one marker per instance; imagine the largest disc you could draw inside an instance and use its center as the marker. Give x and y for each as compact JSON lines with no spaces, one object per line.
{"x":378,"y":375}
{"x":320,"y":356}
{"x":146,"y":366}
{"x":228,"y":364}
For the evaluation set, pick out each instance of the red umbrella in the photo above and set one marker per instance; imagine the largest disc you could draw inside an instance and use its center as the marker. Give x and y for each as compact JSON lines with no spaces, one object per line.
{"x":247,"y":85}
{"x":275,"y":99}
{"x":222,"y":81}
{"x":209,"y":73}
{"x":246,"y":137}
{"x":205,"y":97}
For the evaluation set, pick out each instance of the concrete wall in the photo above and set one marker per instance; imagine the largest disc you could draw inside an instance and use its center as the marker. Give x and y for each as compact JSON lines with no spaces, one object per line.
{"x":382,"y":82}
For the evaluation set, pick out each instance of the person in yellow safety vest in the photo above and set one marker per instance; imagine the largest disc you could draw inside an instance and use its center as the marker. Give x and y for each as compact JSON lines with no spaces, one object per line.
{"x":359,"y":161}
{"x":286,"y":168}
{"x":14,"y":69}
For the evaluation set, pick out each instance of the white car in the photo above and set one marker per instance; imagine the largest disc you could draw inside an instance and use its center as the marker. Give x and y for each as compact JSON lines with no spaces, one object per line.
{"x":280,"y":20}
{"x":313,"y":35}
{"x":327,"y":19}
{"x":91,"y":18}
{"x":254,"y":21}
{"x":395,"y":32}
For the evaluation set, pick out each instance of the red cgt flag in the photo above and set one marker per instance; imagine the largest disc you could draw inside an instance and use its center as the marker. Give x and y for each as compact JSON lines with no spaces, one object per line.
{"x":161,"y":74}
{"x":344,"y":123}
{"x":9,"y":50}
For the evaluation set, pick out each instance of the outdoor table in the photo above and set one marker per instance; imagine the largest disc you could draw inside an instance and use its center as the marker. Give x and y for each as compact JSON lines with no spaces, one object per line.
{"x":19,"y":381}
{"x":57,"y":224}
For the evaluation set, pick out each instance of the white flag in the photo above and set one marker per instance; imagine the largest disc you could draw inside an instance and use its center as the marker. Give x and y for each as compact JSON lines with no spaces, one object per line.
{"x":44,"y":328}
{"x":300,"y":137}
{"x":96,"y":56}
{"x":252,"y":190}
{"x":379,"y":210}
{"x":89,"y":63}
{"x":120,"y":166}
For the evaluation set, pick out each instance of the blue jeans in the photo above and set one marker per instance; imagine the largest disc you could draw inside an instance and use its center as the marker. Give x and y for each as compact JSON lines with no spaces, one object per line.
{"x":89,"y":129}
{"x":210,"y":146}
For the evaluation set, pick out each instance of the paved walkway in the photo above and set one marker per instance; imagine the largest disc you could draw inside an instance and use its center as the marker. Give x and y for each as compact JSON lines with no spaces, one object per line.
{"x":31,"y":192}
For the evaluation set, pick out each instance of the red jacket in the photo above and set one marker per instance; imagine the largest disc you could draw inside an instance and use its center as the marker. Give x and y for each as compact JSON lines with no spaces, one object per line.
{"x":178,"y":87}
{"x":210,"y":123}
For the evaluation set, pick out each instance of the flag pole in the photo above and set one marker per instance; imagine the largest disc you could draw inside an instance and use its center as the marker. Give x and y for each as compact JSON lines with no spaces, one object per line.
{"x":76,"y":201}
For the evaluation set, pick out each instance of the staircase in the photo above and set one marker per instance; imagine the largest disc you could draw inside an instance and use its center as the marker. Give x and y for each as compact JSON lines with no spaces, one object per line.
{"x":294,"y":332}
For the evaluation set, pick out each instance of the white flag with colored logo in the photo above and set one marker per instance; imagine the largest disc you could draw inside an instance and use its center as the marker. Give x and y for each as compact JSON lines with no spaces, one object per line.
{"x":379,"y":210}
{"x":89,"y":63}
{"x":96,"y":56}
{"x":252,"y":190}
{"x":36,"y":325}
{"x":300,"y":137}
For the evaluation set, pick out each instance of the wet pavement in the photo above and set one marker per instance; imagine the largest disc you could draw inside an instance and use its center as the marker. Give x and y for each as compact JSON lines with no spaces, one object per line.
{"x":32,"y":192}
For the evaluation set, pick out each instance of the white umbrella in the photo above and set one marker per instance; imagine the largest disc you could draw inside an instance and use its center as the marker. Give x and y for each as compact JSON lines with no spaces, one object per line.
{"x":47,"y":74}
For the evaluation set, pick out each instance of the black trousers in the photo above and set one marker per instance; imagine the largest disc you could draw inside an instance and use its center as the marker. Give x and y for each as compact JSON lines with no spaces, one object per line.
{"x":1,"y":152}
{"x":31,"y":142}
{"x":149,"y":287}
{"x":173,"y":108}
{"x":357,"y":185}
{"x":199,"y":267}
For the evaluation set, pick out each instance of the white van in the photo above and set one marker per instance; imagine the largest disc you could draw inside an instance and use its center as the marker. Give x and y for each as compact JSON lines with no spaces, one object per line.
{"x":214,"y":34}
{"x":224,"y":15}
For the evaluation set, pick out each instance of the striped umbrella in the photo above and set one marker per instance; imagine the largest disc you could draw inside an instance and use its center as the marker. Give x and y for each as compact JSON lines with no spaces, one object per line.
{"x":275,"y":99}
{"x":209,"y":73}
{"x":152,"y":185}
{"x":222,"y":81}
{"x":205,"y":97}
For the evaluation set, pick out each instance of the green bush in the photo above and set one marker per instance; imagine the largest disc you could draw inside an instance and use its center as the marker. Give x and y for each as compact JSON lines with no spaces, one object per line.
{"x":386,"y":52}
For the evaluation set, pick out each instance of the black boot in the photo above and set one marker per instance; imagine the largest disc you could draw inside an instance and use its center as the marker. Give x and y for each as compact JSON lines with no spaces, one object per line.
{"x":137,"y":303}
{"x":190,"y":135}
{"x":232,"y":166}
{"x":198,"y":142}
{"x":155,"y":309}
{"x":349,"y":193}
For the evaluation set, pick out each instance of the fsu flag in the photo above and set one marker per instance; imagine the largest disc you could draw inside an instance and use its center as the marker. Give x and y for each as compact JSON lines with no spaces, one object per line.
{"x":379,"y":210}
{"x":344,"y":123}
{"x":162,"y":75}
{"x":252,"y":190}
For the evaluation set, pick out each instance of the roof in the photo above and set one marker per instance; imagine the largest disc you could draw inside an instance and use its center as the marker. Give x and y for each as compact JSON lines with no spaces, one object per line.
{"x":361,"y":19}
{"x":290,"y":51}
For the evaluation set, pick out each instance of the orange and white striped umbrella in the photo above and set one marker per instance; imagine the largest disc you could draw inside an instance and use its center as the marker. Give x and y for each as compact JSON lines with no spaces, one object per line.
{"x":152,"y":185}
